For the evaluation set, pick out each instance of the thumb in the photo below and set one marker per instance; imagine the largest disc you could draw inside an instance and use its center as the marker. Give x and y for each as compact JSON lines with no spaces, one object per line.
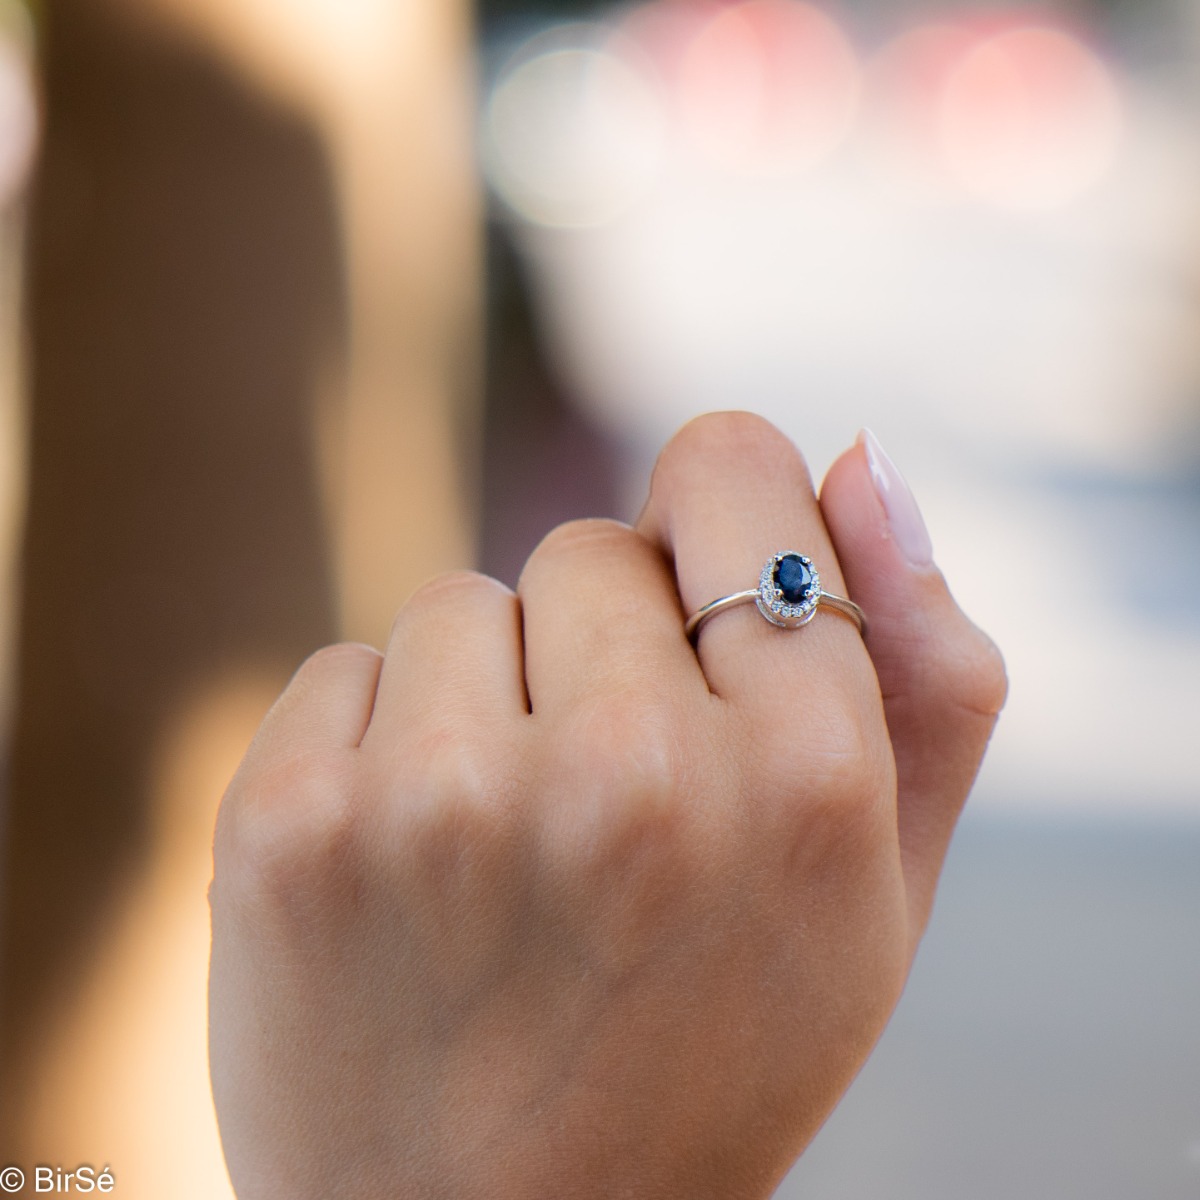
{"x":942,"y":679}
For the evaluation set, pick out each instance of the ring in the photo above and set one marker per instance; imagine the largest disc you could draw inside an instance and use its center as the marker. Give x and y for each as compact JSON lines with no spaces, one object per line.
{"x":788,"y":595}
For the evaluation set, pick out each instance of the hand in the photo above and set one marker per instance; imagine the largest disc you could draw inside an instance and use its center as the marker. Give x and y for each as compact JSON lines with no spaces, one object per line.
{"x":545,"y":903}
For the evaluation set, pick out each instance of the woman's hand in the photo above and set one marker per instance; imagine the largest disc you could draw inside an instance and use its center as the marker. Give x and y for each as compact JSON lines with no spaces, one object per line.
{"x":544,"y":903}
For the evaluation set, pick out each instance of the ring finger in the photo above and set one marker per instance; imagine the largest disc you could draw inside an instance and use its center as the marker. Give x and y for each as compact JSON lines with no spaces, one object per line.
{"x":729,"y":492}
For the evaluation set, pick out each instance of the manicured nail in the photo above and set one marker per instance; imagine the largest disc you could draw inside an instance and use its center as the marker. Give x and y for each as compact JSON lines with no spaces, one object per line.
{"x":908,"y":526}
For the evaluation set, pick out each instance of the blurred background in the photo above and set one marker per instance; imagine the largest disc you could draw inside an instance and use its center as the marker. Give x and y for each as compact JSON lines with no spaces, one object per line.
{"x":303,"y":302}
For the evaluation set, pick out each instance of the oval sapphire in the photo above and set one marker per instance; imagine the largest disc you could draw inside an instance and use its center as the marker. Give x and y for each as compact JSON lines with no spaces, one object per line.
{"x":793,"y":578}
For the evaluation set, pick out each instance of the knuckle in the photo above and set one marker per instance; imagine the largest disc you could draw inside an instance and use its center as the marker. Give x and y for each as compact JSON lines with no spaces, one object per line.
{"x":629,"y":763}
{"x":832,"y":726}
{"x":628,"y":740}
{"x":292,"y":829}
{"x":587,"y":536}
{"x":331,"y":661}
{"x":973,"y":674}
{"x":725,"y":435}
{"x":462,"y":802}
{"x":334,"y":657}
{"x":838,"y":773}
{"x":454,"y":584}
{"x":844,"y":822}
{"x":453,"y":770}
{"x":992,"y":693}
{"x":453,"y":589}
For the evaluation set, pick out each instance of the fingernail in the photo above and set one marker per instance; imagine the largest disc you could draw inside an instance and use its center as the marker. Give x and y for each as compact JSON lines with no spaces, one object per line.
{"x":904,"y":517}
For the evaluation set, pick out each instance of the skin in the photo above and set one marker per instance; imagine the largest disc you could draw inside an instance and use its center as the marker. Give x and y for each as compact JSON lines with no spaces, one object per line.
{"x":544,"y":902}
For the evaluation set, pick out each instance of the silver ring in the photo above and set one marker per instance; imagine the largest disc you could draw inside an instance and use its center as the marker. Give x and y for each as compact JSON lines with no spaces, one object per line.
{"x":788,"y":595}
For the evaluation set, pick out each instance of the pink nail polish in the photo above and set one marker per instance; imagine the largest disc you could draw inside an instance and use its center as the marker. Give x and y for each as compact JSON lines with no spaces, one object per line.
{"x":904,"y":517}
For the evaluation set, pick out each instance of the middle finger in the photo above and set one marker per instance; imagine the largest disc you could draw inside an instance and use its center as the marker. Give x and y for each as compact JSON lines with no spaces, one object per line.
{"x":602,"y":618}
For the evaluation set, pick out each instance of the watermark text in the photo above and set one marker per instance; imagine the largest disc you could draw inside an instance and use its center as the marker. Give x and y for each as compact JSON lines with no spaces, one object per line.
{"x":59,"y":1181}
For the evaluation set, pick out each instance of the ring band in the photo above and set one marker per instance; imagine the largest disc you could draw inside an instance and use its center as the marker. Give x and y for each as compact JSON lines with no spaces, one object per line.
{"x":788,"y":595}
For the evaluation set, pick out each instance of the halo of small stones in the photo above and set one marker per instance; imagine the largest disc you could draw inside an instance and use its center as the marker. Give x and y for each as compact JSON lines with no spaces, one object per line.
{"x":770,"y":600}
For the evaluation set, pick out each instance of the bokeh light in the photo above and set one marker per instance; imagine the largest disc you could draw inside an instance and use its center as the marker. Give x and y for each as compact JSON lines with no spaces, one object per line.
{"x":587,"y":119}
{"x":768,"y":86}
{"x":575,"y":131}
{"x":905,"y":85}
{"x":664,"y":31}
{"x":1030,"y":118}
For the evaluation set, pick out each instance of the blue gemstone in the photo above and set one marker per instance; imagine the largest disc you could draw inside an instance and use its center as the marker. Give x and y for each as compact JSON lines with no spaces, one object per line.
{"x":793,"y":578}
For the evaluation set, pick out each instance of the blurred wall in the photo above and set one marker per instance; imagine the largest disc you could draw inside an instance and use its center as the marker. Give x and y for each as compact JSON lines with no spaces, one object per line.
{"x":252,"y":304}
